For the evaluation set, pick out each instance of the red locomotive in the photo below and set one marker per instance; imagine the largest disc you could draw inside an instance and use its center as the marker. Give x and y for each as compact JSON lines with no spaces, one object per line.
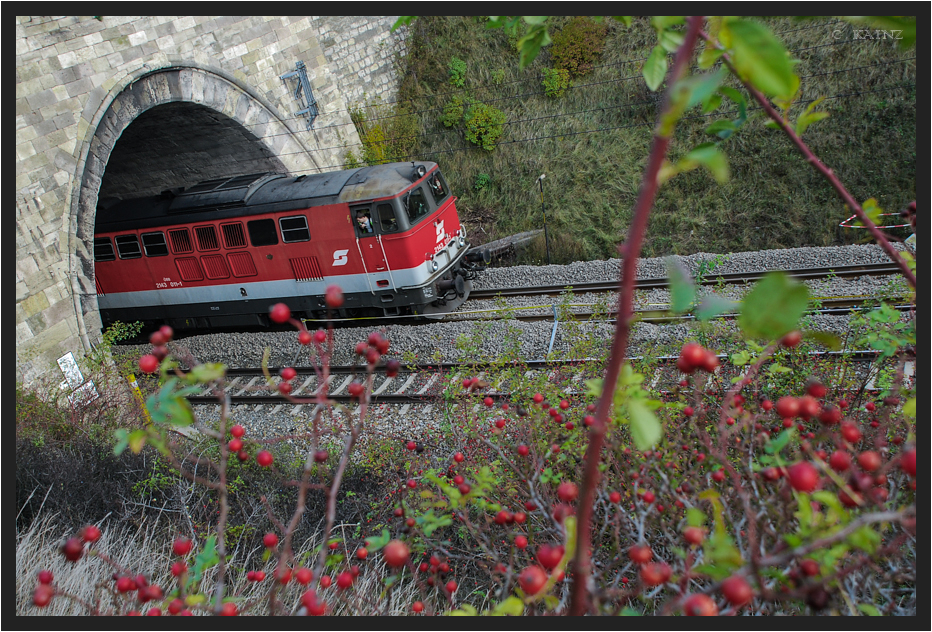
{"x":220,"y":253}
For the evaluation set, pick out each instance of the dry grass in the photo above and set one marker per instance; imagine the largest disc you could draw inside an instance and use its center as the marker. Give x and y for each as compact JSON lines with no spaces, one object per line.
{"x":148,"y":551}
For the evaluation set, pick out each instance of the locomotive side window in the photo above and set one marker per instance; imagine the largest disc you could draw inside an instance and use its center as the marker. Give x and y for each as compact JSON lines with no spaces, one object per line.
{"x":416,"y":205}
{"x":294,"y":229}
{"x":128,"y":246}
{"x":438,"y":188}
{"x":363,"y":220}
{"x":262,"y":232}
{"x":206,"y":238}
{"x":103,"y":249}
{"x":181,"y":241}
{"x":233,"y":235}
{"x":154,"y":244}
{"x":387,"y":218}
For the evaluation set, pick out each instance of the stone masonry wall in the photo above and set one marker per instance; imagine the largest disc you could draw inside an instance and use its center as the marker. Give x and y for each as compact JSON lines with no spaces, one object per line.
{"x":70,"y":74}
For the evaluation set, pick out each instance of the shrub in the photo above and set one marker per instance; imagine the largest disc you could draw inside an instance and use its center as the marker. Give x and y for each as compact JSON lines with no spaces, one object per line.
{"x":578,"y":46}
{"x":457,"y":68}
{"x":556,"y":81}
{"x":482,"y":181}
{"x":484,"y":125}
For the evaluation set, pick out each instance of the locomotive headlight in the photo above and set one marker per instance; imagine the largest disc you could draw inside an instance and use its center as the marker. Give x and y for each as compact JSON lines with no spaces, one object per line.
{"x":461,"y":241}
{"x":434,"y":265}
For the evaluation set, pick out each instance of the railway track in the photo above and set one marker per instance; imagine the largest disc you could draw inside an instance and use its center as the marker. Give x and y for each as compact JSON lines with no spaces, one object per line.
{"x":424,"y":383}
{"x":804,"y":274}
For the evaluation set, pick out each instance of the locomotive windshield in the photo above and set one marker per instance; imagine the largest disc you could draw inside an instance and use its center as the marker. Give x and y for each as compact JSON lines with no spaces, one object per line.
{"x":416,"y":205}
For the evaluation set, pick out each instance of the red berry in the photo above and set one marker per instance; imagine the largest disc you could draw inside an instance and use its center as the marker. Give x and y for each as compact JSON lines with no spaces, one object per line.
{"x":532,"y":579}
{"x":464,"y":488}
{"x":418,"y":606}
{"x":304,"y":337}
{"x":655,"y":573}
{"x":718,"y":476}
{"x":792,"y":339}
{"x":816,"y":389}
{"x":737,"y":591}
{"x":179,"y":568}
{"x":235,"y":445}
{"x":809,"y":567}
{"x":334,"y":296}
{"x":279,"y":313}
{"x":766,"y":404}
{"x":392,"y":367}
{"x":648,"y":497}
{"x":411,"y":445}
{"x":839,"y":461}
{"x":284,"y":387}
{"x":451,"y":586}
{"x":700,"y":605}
{"x":458,"y":457}
{"x":182,"y":546}
{"x":355,"y":389}
{"x":788,"y":406}
{"x":229,"y":609}
{"x":521,"y":542}
{"x":538,"y":398}
{"x":288,"y":373}
{"x":320,"y":336}
{"x":148,"y":364}
{"x":90,"y":533}
{"x":850,"y":432}
{"x":73,"y":549}
{"x":640,"y":554}
{"x":167,"y":333}
{"x":345,"y":580}
{"x":523,"y":450}
{"x":709,"y":362}
{"x":688,"y":411}
{"x":42,"y":595}
{"x":361,"y":348}
{"x":567,"y":491}
{"x":412,"y":483}
{"x":694,"y":535}
{"x":870,"y":406}
{"x":520,"y":517}
{"x":362,"y":553}
{"x":325,"y":581}
{"x":154,"y":612}
{"x":488,"y":401}
{"x":809,"y":407}
{"x":270,"y":540}
{"x":869,"y":461}
{"x":830,"y":415}
{"x":614,"y":497}
{"x":564,"y":404}
{"x":908,"y":462}
{"x":550,"y":555}
{"x":238,"y":431}
{"x":396,"y":553}
{"x":46,"y":577}
{"x":803,"y":476}
{"x":176,"y":606}
{"x":125,"y":584}
{"x":260,"y":575}
{"x":693,"y":356}
{"x":264,"y":458}
{"x":242,"y":455}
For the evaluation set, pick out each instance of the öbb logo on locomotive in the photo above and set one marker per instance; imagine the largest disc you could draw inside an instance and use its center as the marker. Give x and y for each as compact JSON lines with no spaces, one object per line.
{"x":219,"y":253}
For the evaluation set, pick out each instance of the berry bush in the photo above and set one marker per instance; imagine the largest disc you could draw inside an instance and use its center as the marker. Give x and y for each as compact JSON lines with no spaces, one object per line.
{"x":748,"y":488}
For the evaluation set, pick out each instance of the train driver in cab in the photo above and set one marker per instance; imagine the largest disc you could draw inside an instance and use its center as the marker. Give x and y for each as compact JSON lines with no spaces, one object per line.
{"x":364,"y":222}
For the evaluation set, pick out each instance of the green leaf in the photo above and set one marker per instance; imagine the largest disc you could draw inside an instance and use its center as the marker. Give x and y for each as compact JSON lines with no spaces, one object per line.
{"x":465,"y":610}
{"x":865,"y":539}
{"x":511,"y":607}
{"x":645,"y":428}
{"x":655,"y":68}
{"x":122,"y":441}
{"x":694,"y":517}
{"x":741,"y":358}
{"x":721,"y":128}
{"x":663,"y":22}
{"x":708,"y":156}
{"x":776,"y":445}
{"x":624,"y":19}
{"x":909,"y":408}
{"x":828,"y":339}
{"x":531,"y":43}
{"x":208,"y":372}
{"x":709,"y":56}
{"x":671,"y":40}
{"x":869,"y":609}
{"x":377,"y":542}
{"x":628,"y":611}
{"x":711,"y":103}
{"x":682,"y":291}
{"x":404,"y":20}
{"x":137,"y":439}
{"x":773,"y":308}
{"x":713,"y":305}
{"x":534,"y":19}
{"x":738,"y":100}
{"x":205,"y":559}
{"x":760,"y":58}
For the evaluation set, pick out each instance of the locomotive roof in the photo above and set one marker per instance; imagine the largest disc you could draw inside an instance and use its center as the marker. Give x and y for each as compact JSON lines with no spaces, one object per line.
{"x":258,"y":193}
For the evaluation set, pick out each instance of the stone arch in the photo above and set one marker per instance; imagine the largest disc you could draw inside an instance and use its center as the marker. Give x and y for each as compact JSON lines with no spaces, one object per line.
{"x":198,"y":96}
